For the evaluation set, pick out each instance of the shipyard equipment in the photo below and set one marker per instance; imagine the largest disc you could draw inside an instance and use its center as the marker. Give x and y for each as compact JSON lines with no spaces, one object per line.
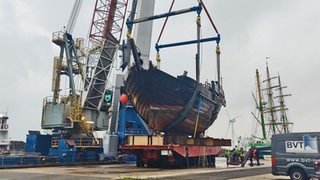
{"x":161,"y":118}
{"x":85,"y":108}
{"x":177,"y":111}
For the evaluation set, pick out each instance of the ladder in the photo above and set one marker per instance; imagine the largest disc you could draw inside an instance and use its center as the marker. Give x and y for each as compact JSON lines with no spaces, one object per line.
{"x":245,"y":159}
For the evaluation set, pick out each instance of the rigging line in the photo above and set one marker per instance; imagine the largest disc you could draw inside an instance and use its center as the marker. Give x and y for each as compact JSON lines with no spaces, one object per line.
{"x":165,"y":22}
{"x":205,"y":9}
{"x":254,"y":127}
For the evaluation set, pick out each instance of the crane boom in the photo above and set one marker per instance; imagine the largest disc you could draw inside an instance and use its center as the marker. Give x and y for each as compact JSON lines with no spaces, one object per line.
{"x":143,"y":31}
{"x":105,"y":34}
{"x":64,"y":111}
{"x":73,"y":16}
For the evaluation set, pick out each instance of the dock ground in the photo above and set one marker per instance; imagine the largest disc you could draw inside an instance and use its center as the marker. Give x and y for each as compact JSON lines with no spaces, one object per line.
{"x":130,"y":171}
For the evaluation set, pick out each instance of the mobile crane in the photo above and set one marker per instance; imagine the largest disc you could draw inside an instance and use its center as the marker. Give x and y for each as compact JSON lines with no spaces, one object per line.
{"x":72,"y":117}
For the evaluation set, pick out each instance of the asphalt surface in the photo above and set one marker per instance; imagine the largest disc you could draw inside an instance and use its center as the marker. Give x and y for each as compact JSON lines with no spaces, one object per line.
{"x":232,"y":174}
{"x":125,"y":171}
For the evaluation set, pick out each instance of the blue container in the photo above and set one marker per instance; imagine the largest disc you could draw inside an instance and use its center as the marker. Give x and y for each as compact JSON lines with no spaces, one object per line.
{"x":37,"y":143}
{"x":64,"y":152}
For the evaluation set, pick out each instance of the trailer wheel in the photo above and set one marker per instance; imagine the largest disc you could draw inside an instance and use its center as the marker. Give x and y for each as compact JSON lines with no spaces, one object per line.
{"x":180,"y":162}
{"x":297,"y":174}
{"x":139,"y":162}
{"x":164,"y":162}
{"x":151,"y":163}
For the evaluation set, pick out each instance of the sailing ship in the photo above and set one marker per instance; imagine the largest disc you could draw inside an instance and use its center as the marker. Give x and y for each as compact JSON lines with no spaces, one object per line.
{"x":170,"y":104}
{"x":271,"y":114}
{"x":174,"y":105}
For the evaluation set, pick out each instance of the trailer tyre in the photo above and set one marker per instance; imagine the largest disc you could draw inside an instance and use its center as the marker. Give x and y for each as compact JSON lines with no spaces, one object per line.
{"x":139,"y":162}
{"x":297,"y":174}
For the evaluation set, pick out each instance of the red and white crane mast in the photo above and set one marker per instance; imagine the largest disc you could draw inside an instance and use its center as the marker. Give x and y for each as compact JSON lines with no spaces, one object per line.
{"x":105,"y":35}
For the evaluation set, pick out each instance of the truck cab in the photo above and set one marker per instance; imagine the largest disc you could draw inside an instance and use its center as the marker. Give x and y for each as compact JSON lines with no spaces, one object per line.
{"x":296,"y":155}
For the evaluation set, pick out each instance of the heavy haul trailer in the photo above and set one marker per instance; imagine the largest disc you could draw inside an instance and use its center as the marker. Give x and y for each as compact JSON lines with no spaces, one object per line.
{"x":173,"y":151}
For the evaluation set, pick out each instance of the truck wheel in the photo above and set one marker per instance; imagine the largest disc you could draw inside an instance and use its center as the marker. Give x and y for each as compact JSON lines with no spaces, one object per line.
{"x":297,"y":174}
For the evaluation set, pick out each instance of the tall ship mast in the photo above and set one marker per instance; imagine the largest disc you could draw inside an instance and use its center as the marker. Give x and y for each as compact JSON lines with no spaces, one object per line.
{"x":271,"y":115}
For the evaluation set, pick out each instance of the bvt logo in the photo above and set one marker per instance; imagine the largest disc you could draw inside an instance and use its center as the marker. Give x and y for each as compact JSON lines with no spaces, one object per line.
{"x":307,"y":145}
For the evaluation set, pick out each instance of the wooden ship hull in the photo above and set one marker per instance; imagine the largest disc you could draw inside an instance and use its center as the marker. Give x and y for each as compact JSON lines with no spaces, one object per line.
{"x":173,"y":105}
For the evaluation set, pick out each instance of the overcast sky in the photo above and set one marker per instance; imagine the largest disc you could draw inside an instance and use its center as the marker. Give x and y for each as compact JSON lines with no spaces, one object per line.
{"x":287,"y":31}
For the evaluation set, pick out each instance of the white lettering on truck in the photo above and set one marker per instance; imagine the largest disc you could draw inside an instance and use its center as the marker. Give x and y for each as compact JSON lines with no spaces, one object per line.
{"x":307,"y":145}
{"x":303,"y":160}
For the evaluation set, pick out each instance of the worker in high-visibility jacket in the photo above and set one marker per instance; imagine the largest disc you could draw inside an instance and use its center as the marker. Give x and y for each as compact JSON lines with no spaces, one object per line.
{"x":227,"y":155}
{"x":235,"y":154}
{"x":241,"y":154}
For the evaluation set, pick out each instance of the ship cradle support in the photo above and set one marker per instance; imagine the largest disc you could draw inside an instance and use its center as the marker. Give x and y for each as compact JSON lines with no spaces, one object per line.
{"x":174,"y":151}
